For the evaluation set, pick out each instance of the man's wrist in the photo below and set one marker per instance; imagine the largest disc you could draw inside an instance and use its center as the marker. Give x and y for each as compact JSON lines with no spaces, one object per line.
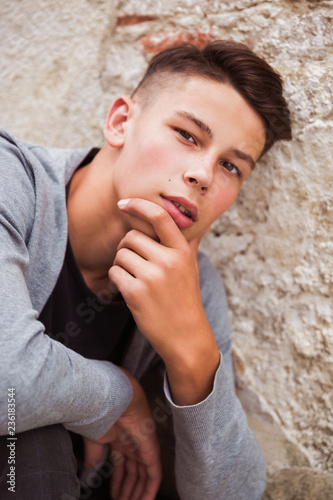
{"x":191,"y":374}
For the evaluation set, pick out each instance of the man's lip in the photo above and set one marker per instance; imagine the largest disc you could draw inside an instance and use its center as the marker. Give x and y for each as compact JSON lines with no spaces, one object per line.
{"x":187,"y":204}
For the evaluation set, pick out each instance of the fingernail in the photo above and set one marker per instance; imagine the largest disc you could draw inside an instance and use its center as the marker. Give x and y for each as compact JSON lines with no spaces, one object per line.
{"x":122,"y":203}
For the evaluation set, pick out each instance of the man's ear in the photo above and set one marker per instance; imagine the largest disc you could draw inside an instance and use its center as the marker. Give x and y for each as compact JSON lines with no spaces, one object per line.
{"x":118,"y":115}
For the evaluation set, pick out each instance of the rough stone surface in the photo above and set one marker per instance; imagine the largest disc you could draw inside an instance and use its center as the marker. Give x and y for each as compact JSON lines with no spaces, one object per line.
{"x":62,"y":63}
{"x":308,"y":484}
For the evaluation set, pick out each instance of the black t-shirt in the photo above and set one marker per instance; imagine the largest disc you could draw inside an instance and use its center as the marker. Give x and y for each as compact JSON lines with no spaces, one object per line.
{"x":91,"y":325}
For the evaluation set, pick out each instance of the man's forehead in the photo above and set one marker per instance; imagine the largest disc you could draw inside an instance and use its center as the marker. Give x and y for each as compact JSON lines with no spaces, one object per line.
{"x":167,"y":83}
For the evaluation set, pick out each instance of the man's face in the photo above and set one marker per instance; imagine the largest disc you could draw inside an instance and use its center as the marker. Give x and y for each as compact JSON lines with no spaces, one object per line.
{"x":189,"y":151}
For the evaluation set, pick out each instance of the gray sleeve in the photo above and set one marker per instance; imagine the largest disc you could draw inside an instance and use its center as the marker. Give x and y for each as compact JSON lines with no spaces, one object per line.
{"x":53,"y":384}
{"x":216,"y":453}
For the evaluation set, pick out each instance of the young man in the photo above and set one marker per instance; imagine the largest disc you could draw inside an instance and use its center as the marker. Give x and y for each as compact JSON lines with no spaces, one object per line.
{"x":89,"y":307}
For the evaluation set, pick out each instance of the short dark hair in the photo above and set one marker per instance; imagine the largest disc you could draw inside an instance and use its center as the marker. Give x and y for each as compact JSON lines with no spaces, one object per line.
{"x":234,"y":64}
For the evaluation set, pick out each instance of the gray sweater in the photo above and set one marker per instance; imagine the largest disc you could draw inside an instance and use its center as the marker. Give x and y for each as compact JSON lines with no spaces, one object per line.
{"x":217,"y":456}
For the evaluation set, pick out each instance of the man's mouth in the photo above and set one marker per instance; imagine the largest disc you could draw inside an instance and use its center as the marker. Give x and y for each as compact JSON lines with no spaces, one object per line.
{"x":182,"y":209}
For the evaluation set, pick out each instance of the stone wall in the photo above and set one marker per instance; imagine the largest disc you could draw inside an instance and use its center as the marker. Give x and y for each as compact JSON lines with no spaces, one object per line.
{"x":62,"y":63}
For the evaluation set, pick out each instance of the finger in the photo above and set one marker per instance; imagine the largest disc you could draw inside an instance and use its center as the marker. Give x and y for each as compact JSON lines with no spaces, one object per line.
{"x":121,"y":279}
{"x":140,"y":484}
{"x":129,"y":480}
{"x":139,"y":243}
{"x":166,"y":229}
{"x":130,"y":261}
{"x":93,"y":452}
{"x":118,"y":472}
{"x":153,"y":481}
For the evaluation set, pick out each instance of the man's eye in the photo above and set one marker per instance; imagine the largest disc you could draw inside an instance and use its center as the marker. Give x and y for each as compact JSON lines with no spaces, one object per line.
{"x":189,"y":137}
{"x":231,"y":168}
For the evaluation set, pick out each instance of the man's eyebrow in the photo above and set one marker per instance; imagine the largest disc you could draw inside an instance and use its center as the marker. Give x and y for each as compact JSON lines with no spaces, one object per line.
{"x":207,"y":130}
{"x":244,"y":156}
{"x":202,"y":126}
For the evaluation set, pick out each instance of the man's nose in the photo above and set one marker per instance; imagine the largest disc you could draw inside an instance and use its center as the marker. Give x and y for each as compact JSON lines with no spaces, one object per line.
{"x":200,"y":175}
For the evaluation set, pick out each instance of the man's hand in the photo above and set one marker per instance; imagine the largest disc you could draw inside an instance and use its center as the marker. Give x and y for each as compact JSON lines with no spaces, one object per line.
{"x":136,"y":473}
{"x":159,"y":281}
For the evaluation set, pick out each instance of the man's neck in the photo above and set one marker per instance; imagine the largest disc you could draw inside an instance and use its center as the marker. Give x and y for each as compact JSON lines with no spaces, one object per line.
{"x":94,"y":225}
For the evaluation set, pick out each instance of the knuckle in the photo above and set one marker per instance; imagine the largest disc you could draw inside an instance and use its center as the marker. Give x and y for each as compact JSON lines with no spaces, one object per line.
{"x":154,"y":277}
{"x":112,"y":273}
{"x":172,"y":263}
{"x":133,"y":235}
{"x":114,"y":277}
{"x":170,"y":266}
{"x":121,"y":253}
{"x":131,"y":238}
{"x":160,"y":215}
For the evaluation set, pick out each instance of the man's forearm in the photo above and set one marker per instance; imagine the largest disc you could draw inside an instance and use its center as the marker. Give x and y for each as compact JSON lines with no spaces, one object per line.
{"x":191,"y":371}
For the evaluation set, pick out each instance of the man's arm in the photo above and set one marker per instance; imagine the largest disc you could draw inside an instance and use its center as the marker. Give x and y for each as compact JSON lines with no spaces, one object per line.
{"x":53,"y":384}
{"x":135,"y":450}
{"x":160,"y":282}
{"x":216,"y":453}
